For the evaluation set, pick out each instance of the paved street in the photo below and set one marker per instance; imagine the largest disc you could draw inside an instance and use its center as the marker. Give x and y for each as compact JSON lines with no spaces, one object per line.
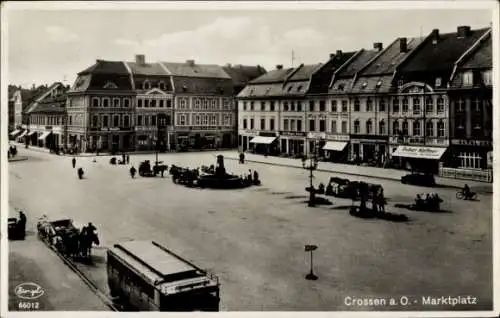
{"x":253,"y":239}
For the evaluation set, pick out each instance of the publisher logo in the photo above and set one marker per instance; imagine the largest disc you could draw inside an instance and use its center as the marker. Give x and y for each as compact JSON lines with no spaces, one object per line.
{"x":29,"y":291}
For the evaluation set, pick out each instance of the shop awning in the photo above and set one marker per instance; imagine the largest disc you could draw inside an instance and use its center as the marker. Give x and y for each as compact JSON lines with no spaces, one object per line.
{"x":22,"y":135}
{"x":262,"y":140}
{"x":15,"y":132}
{"x":31,"y":133}
{"x":419,"y":152}
{"x":44,"y":135}
{"x":334,"y":145}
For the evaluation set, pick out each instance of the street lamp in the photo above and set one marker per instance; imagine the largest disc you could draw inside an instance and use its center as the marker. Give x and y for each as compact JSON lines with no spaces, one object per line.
{"x":311,"y":248}
{"x":313,"y":165}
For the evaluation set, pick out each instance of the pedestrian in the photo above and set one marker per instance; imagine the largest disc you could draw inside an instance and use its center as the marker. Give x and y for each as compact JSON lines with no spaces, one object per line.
{"x":381,"y":200}
{"x":132,"y":172}
{"x":22,"y":224}
{"x":80,"y":173}
{"x":73,"y":161}
{"x":128,"y":159}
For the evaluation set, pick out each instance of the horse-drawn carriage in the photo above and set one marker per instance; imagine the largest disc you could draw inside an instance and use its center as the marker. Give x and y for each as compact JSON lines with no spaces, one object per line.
{"x":15,"y":231}
{"x":184,"y":175}
{"x":344,"y":188}
{"x":65,"y":237}
{"x":146,"y":170}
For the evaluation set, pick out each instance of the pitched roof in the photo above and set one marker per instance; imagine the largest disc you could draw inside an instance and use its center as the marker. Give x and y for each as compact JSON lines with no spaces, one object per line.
{"x":45,"y":102}
{"x":387,"y":61}
{"x":203,"y":86}
{"x":149,"y":69}
{"x":274,"y":76}
{"x":481,"y":57}
{"x":322,"y":77}
{"x":262,"y":90}
{"x":304,"y":72}
{"x":361,"y":59}
{"x":372,"y":84}
{"x":106,"y":67}
{"x":441,"y":55}
{"x":195,"y":70}
{"x":242,"y":74}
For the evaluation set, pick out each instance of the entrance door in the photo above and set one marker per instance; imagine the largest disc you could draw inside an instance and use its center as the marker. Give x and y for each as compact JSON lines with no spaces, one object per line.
{"x":368,"y":152}
{"x":245,"y":143}
{"x":355,"y":152}
{"x":283,"y":146}
{"x":115,"y":143}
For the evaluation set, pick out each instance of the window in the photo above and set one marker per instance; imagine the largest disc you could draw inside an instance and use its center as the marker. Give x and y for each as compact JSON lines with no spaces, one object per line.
{"x":146,"y":85}
{"x":467,"y":78}
{"x":272,"y":106}
{"x":95,"y":121}
{"x":105,"y":102}
{"x":312,"y":125}
{"x":161,"y":85}
{"x":322,"y":125}
{"x":470,"y":160}
{"x":344,"y":127}
{"x":416,"y":128}
{"x":345,"y":105}
{"x":356,"y":105}
{"x":116,"y":121}
{"x":126,"y":102}
{"x":292,"y":124}
{"x":263,"y":106}
{"x":153,"y":120}
{"x":405,"y":128}
{"x":405,"y":105}
{"x":197,"y":120}
{"x":262,"y":124}
{"x":271,"y":124}
{"x":333,"y":106}
{"x":381,"y":127}
{"x":292,"y":106}
{"x":460,"y":105}
{"x":311,"y":105}
{"x":487,"y":80}
{"x":285,"y":106}
{"x":244,"y":105}
{"x":429,"y":129}
{"x":395,"y":105}
{"x":104,"y":120}
{"x":334,"y":127}
{"x":126,"y":121}
{"x":182,"y":103}
{"x":476,"y":105}
{"x":440,"y":129}
{"x":244,"y":123}
{"x":381,"y":105}
{"x":214,"y":104}
{"x":169,"y":103}
{"x":139,"y":120}
{"x":438,"y":82}
{"x":146,"y":120}
{"x":440,"y":105}
{"x":95,"y":102}
{"x":369,"y":127}
{"x":251,"y":105}
{"x":116,"y":102}
{"x":285,"y":125}
{"x":321,"y":105}
{"x":153,"y":103}
{"x":369,"y":105}
{"x":182,"y":120}
{"x":416,"y":106}
{"x":204,"y":120}
{"x":139,"y":103}
{"x":146,"y":103}
{"x":429,"y":105}
{"x":251,"y":124}
{"x":162,"y":103}
{"x":356,"y":127}
{"x":299,"y":125}
{"x":299,"y":106}
{"x":205,"y":104}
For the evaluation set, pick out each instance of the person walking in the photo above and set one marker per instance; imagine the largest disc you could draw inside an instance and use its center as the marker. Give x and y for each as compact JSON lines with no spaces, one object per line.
{"x":128,"y":159}
{"x":132,"y":172}
{"x":73,"y":161}
{"x":22,"y":224}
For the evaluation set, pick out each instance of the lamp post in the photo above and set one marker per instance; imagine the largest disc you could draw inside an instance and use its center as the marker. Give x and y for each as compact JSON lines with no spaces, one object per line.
{"x":313,"y":165}
{"x":311,"y":248}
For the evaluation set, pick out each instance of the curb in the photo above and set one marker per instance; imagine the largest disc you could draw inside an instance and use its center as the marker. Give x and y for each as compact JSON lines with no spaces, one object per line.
{"x":18,"y":159}
{"x":332,"y":171}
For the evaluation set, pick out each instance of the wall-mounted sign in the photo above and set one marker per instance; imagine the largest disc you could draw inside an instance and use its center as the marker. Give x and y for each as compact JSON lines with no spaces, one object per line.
{"x":293,"y":133}
{"x":471,"y":142}
{"x":316,"y":135}
{"x":337,"y":137}
{"x":419,"y":152}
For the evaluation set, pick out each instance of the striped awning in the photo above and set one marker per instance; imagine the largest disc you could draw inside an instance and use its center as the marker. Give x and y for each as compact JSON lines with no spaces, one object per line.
{"x":335,"y":145}
{"x":15,"y":132}
{"x":262,"y":140}
{"x":22,"y":135}
{"x":44,"y":135}
{"x":31,"y":133}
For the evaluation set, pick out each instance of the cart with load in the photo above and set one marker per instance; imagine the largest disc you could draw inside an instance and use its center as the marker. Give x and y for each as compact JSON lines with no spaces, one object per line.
{"x":15,"y":231}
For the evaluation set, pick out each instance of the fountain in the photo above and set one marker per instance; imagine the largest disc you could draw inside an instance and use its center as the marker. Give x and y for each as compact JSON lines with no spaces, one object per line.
{"x":220,"y":179}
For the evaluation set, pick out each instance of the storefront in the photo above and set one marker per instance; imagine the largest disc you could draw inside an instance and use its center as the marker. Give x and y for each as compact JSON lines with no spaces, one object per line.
{"x":470,"y":154}
{"x":335,"y":151}
{"x":424,"y":159}
{"x":244,"y":137}
{"x":292,"y":142}
{"x":265,"y":144}
{"x":369,"y":148}
{"x":315,"y":141}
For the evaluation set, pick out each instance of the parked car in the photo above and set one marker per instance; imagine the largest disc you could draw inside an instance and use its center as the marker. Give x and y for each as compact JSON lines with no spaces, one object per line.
{"x":419,"y":178}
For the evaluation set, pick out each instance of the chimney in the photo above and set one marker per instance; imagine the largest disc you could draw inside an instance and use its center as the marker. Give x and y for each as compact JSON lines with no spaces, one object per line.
{"x":140,"y":59}
{"x":332,"y":55}
{"x":228,"y":65}
{"x":463,"y":31}
{"x":279,"y":66}
{"x":339,"y":52}
{"x":378,"y":46}
{"x":435,"y":36}
{"x":403,"y":45}
{"x":190,"y":62}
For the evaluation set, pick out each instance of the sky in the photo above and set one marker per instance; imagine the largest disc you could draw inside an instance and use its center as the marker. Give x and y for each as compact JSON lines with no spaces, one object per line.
{"x":45,"y":46}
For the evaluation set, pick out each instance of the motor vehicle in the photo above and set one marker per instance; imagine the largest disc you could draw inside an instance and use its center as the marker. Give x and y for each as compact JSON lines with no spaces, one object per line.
{"x":419,"y":178}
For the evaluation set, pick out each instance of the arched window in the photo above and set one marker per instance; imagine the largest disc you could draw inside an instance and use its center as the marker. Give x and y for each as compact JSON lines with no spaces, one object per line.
{"x":416,"y":128}
{"x":369,"y":126}
{"x":440,"y":129}
{"x":429,"y":129}
{"x":126,"y":121}
{"x":95,"y":102}
{"x":381,"y":127}
{"x":161,"y":85}
{"x":369,"y":105}
{"x":440,"y":105}
{"x":95,"y":121}
{"x":356,"y":126}
{"x":116,"y":102}
{"x":381,"y":105}
{"x":105,"y":102}
{"x":146,"y":85}
{"x":126,"y":102}
{"x":395,"y":127}
{"x":116,"y":121}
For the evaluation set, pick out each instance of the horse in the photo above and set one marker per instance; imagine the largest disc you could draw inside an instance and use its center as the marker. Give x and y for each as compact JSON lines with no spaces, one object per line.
{"x":86,"y":239}
{"x":159,"y":169}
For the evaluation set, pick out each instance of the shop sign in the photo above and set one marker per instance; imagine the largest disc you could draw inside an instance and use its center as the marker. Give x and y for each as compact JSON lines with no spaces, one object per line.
{"x":267,"y":134}
{"x":293,"y":133}
{"x":338,"y":137}
{"x":419,"y":152}
{"x":48,"y":127}
{"x":471,"y":142}
{"x":313,"y":135}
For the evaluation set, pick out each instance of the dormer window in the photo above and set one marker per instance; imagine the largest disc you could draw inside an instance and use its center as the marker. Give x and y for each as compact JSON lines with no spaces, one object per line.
{"x":110,"y":84}
{"x":146,"y":85}
{"x":340,"y":87}
{"x":364,"y":84}
{"x":379,"y":83}
{"x":487,"y":80}
{"x":438,"y":82}
{"x":299,"y":88}
{"x":161,"y":85}
{"x":468,"y":78}
{"x":105,"y":102}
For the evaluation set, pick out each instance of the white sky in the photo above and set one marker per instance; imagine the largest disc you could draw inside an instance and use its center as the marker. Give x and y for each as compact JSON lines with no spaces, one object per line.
{"x":47,"y":46}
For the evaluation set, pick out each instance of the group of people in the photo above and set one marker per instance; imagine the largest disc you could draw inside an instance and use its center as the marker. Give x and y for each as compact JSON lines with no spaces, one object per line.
{"x":12,"y":152}
{"x":79,"y":171}
{"x":431,"y":200}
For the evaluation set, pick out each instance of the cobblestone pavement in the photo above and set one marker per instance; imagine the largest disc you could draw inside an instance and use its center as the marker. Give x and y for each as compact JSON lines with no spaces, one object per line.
{"x":253,"y":239}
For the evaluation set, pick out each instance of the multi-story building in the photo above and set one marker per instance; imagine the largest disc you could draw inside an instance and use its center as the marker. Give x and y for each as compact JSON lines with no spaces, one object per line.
{"x":153,"y":103}
{"x":100,"y":108}
{"x":423,"y":116}
{"x":471,"y":109}
{"x":337,"y":86}
{"x":370,"y":100}
{"x":47,"y":118}
{"x":11,"y":113}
